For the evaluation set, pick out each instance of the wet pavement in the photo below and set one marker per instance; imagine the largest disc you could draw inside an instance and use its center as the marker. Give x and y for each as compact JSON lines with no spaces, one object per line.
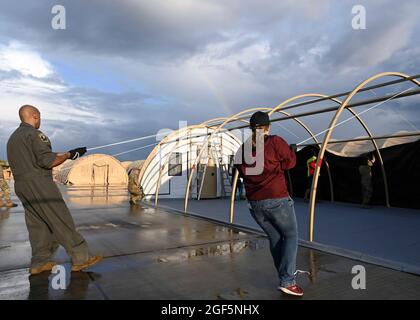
{"x":160,"y":254}
{"x":379,"y":234}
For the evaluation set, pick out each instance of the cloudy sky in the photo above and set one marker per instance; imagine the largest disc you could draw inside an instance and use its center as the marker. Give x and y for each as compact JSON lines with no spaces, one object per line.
{"x":128,"y":68}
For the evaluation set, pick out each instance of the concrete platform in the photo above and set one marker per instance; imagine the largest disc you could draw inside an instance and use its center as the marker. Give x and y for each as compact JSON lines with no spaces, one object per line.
{"x":159,"y":254}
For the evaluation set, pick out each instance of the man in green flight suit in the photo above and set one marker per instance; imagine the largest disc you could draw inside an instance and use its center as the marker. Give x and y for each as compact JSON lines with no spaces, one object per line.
{"x":4,"y":188}
{"x":47,"y":217}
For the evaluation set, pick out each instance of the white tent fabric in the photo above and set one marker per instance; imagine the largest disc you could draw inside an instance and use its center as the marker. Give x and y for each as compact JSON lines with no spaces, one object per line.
{"x":357,"y":148}
{"x":93,"y":170}
{"x":183,"y":146}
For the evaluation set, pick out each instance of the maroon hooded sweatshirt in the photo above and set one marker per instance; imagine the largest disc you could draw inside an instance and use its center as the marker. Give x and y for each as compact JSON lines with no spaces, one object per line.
{"x":271,"y":183}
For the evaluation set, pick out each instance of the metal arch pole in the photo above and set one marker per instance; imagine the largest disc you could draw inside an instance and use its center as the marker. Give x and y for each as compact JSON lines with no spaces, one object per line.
{"x":272,"y":110}
{"x":327,"y":138}
{"x":403,"y":94}
{"x":156,"y":148}
{"x":281,"y":105}
{"x":343,"y":94}
{"x":367,"y":131}
{"x":241,"y":120}
{"x":232,"y":204}
{"x":378,"y":152}
{"x":411,"y":78}
{"x":287,"y":101}
{"x":149,"y":160}
{"x":207,"y":123}
{"x":188,"y":130}
{"x":384,"y":84}
{"x":162,"y":167}
{"x":401,"y":135}
{"x":232,"y":196}
{"x":230,"y":119}
{"x":154,"y":151}
{"x":158,"y":184}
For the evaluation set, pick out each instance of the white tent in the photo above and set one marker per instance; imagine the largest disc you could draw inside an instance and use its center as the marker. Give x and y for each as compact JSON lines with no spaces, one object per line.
{"x":93,"y":170}
{"x":168,"y":166}
{"x":357,"y":148}
{"x":136,"y":165}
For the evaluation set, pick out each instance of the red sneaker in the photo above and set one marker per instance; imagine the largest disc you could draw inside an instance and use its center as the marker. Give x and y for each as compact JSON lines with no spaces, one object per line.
{"x":292,"y":290}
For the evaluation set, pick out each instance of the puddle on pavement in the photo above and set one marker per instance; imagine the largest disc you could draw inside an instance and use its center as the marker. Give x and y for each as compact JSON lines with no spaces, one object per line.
{"x":224,"y":249}
{"x":113,"y":224}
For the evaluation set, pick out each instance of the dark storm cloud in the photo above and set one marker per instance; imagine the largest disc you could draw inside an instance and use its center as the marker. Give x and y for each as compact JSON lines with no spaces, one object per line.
{"x":145,"y":29}
{"x":199,"y":59}
{"x":122,"y":28}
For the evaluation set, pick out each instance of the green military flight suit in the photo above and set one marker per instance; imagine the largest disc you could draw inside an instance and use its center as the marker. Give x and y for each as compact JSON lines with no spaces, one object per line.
{"x":4,"y":187}
{"x":136,"y":191}
{"x":47,"y":217}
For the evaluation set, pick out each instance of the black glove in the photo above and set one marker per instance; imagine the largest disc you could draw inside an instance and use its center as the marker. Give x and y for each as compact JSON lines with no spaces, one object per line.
{"x":293,"y":147}
{"x":77,"y":153}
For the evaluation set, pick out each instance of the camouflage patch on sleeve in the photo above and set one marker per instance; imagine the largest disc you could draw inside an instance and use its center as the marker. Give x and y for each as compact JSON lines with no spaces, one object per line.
{"x":43,"y":137}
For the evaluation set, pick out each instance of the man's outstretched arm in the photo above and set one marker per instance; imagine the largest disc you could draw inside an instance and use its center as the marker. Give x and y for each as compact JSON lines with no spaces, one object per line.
{"x":63,"y":156}
{"x":59,"y":159}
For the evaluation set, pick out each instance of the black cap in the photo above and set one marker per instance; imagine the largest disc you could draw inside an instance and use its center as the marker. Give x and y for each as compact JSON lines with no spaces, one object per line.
{"x":259,"y":119}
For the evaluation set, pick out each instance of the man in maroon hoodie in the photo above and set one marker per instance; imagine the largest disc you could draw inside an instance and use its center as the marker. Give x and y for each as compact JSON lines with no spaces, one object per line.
{"x":261,"y":162}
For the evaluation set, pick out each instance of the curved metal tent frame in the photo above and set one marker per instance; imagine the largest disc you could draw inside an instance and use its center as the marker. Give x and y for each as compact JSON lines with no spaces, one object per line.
{"x":167,"y":140}
{"x":205,"y":124}
{"x":219,"y":119}
{"x":355,"y":115}
{"x":227,"y":120}
{"x":277,"y":109}
{"x":231,"y":119}
{"x":326,"y":140}
{"x":188,"y":129}
{"x":362,"y":123}
{"x":328,"y":137}
{"x":209,"y":138}
{"x":153,"y":153}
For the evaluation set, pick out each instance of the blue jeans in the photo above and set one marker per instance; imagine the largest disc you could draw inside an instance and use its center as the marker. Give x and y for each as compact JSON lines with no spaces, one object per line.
{"x":277,"y":218}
